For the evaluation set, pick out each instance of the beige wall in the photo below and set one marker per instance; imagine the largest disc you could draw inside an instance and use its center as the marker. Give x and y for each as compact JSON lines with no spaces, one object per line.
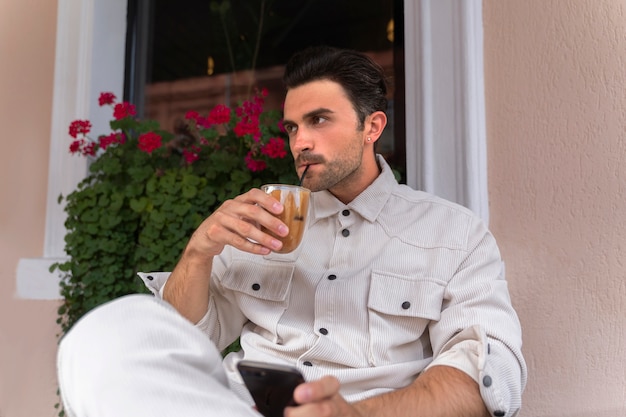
{"x":27,"y":328}
{"x":556,"y":110}
{"x":555,"y":75}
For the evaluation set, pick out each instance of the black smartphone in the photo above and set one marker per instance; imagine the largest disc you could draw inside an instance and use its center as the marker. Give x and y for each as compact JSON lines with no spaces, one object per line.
{"x":270,"y":385}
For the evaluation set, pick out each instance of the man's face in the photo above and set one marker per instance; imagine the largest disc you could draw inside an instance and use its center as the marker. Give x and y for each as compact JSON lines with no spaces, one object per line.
{"x":323,"y":134}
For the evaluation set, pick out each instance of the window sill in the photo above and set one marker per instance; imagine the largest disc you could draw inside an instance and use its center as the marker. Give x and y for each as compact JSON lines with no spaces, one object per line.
{"x":35,"y":281}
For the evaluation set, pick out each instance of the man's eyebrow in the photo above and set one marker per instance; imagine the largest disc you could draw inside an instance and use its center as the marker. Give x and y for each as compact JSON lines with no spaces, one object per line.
{"x":310,"y":114}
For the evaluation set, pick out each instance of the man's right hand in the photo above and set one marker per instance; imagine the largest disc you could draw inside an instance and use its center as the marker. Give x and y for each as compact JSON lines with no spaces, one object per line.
{"x":237,"y":223}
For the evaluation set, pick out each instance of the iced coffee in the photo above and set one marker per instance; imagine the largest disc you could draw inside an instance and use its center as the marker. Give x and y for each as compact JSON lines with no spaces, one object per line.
{"x":295,"y":201}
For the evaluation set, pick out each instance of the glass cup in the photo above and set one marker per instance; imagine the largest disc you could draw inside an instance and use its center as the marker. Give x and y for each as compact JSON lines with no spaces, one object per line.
{"x":295,"y":200}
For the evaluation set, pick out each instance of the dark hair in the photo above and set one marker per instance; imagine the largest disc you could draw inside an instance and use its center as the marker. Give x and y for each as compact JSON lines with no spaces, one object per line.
{"x":362,"y":79}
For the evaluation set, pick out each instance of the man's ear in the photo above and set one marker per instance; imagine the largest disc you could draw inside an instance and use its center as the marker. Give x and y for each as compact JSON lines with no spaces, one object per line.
{"x":375,"y":124}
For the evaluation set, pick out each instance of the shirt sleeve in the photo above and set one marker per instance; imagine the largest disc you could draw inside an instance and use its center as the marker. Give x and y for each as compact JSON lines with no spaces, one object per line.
{"x":469,"y":352}
{"x":479,"y":331}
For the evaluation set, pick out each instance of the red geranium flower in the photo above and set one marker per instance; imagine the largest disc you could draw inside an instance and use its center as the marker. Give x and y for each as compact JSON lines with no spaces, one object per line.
{"x":106,"y":98}
{"x":122,"y":110}
{"x":150,"y":141}
{"x":254,"y":165}
{"x":76,"y":146}
{"x":251,"y":108}
{"x":192,"y":115}
{"x":203,"y":122}
{"x":89,"y":149}
{"x":274,"y":148}
{"x":219,"y":114}
{"x":108,"y":140}
{"x":79,"y":127}
{"x":247,"y":126}
{"x":192,"y":154}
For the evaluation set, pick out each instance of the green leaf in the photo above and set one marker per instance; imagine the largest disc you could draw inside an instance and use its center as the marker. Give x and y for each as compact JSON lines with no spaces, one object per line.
{"x":140,"y":173}
{"x":157,"y":216}
{"x":138,"y":205}
{"x":89,"y":216}
{"x":149,"y":126}
{"x":240,"y":177}
{"x":189,"y":191}
{"x":134,"y":190}
{"x":117,"y":200}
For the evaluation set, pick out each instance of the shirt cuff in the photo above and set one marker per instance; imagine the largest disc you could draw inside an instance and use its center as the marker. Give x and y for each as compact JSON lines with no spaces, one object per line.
{"x":203,"y":324}
{"x":462,"y":356}
{"x":154,"y":281}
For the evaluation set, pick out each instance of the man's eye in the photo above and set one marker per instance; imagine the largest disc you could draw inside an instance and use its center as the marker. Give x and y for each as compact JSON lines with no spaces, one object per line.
{"x":318,"y":119}
{"x":290,"y":128}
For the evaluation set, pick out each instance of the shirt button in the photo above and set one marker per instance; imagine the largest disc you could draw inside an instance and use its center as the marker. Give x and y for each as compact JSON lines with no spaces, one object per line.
{"x":256,"y":287}
{"x":323,"y":331}
{"x":499,"y":413}
{"x":346,"y":212}
{"x":149,"y":277}
{"x":487,"y":381}
{"x":406,"y":305}
{"x":345,"y":232}
{"x":332,"y":277}
{"x":307,"y":363}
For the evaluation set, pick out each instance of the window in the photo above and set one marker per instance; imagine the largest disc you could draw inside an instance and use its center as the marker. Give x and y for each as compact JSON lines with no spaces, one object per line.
{"x":194,"y":54}
{"x":444,"y":99}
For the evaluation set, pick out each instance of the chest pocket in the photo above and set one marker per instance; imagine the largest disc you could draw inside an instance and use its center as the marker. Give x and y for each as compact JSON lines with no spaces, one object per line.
{"x":399,"y":310}
{"x":261,"y":293}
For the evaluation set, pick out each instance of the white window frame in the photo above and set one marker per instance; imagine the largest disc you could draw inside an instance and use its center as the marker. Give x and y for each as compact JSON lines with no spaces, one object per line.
{"x":445,"y":109}
{"x":445,"y":102}
{"x":89,"y":59}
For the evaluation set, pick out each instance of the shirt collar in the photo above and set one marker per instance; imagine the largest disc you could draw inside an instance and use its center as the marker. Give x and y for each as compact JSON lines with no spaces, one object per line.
{"x":368,"y":204}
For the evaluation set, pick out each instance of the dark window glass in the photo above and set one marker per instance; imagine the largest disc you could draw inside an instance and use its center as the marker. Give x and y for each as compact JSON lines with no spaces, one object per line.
{"x":194,"y":54}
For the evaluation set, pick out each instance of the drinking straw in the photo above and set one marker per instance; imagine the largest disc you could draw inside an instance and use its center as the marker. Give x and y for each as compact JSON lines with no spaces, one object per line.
{"x":302,"y":176}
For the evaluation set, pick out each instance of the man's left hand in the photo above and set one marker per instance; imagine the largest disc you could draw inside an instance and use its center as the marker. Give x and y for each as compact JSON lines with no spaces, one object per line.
{"x":320,"y":399}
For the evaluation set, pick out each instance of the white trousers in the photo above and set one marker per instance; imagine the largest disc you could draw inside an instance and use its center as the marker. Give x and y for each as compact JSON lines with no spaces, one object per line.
{"x":136,"y":356}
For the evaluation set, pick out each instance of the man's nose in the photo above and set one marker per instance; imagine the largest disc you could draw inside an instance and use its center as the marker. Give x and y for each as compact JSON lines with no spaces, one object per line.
{"x":301,"y":141}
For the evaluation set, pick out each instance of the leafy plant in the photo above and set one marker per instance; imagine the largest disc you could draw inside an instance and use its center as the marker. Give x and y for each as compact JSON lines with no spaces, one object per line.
{"x":148,"y":189}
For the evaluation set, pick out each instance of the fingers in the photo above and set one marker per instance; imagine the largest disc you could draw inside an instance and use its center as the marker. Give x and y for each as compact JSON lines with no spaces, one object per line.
{"x":238,"y":223}
{"x":241,"y":233}
{"x":320,"y":399}
{"x":257,"y":197}
{"x":316,"y":390}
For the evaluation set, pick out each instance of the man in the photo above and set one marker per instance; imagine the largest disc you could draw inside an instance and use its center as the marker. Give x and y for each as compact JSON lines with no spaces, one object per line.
{"x":394,"y":305}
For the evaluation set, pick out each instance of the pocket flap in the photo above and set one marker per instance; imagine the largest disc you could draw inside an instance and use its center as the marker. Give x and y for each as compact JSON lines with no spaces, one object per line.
{"x":268,"y":282}
{"x":404,"y":296}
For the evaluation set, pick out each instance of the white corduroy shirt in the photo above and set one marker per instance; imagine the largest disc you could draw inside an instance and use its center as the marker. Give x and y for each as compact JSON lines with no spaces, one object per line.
{"x":381,"y":288}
